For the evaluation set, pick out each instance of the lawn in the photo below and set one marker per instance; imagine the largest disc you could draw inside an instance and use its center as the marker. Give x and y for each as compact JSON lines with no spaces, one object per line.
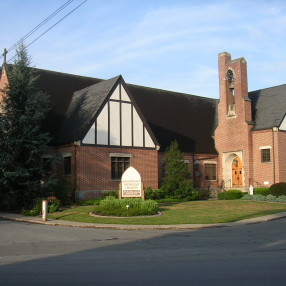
{"x":194,"y":212}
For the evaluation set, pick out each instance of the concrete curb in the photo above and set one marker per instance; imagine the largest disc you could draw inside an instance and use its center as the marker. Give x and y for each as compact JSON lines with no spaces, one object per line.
{"x":50,"y":222}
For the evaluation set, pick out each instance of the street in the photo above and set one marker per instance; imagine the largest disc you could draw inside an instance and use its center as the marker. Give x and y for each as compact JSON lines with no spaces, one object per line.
{"x":32,"y":254}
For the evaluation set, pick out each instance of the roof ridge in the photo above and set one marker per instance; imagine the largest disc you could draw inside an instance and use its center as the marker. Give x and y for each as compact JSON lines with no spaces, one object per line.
{"x":115,"y":78}
{"x":267,"y":88}
{"x":174,"y":92}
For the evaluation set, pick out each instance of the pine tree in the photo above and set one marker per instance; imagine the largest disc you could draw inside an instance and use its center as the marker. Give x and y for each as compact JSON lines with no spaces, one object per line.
{"x":22,"y":141}
{"x":176,"y":182}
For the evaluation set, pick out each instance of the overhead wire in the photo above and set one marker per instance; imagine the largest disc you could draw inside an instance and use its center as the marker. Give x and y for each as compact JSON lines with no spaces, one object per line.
{"x":43,"y":22}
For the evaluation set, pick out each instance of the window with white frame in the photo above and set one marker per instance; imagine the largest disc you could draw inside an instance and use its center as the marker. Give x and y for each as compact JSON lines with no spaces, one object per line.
{"x":265,"y":155}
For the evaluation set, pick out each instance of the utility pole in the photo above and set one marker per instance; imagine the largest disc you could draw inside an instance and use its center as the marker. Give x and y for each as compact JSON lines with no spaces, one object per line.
{"x":4,"y":55}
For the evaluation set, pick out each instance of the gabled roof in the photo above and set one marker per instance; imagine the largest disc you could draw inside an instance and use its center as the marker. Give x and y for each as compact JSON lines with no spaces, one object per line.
{"x":268,"y":107}
{"x":189,"y":119}
{"x":83,"y":108}
{"x":75,"y":101}
{"x":60,"y":88}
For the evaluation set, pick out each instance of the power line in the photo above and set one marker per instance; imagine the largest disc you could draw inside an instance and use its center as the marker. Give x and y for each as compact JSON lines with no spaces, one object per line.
{"x":41,"y":24}
{"x":57,"y":23}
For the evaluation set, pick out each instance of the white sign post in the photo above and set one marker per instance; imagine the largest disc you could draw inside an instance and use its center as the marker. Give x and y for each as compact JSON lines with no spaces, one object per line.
{"x":131,"y":185}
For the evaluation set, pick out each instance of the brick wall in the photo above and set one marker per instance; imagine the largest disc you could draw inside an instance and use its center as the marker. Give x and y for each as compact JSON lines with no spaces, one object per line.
{"x":263,"y":172}
{"x":94,"y":167}
{"x":281,"y":155}
{"x":200,"y":161}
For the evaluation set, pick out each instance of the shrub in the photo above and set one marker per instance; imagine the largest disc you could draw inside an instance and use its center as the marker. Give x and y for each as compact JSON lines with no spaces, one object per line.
{"x":261,"y":191}
{"x":278,"y":189}
{"x":115,"y":207}
{"x":90,"y":202}
{"x":150,"y":205}
{"x":230,"y":195}
{"x":176,"y":182}
{"x":203,"y":194}
{"x":151,"y":194}
{"x":281,"y":199}
{"x":64,"y":190}
{"x":111,"y":194}
{"x":247,"y":197}
{"x":221,"y":195}
{"x":53,"y":206}
{"x":259,"y":198}
{"x":271,"y":198}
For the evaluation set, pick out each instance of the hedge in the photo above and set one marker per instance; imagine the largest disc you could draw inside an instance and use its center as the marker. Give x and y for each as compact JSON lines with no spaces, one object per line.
{"x":261,"y":191}
{"x":230,"y":195}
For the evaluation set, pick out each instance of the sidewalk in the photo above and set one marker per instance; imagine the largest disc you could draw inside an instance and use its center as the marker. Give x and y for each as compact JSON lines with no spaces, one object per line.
{"x":51,"y":222}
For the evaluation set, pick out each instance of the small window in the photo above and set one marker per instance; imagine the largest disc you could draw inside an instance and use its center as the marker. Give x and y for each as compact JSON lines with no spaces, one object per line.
{"x":118,"y":166}
{"x":67,"y":165}
{"x":210,"y":172}
{"x":265,"y":155}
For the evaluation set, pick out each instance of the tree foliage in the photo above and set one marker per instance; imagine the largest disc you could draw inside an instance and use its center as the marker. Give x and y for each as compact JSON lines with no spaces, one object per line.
{"x":176,"y":182}
{"x":22,"y":141}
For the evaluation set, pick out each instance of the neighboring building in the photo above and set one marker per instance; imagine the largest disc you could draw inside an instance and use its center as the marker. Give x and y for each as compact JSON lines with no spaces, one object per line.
{"x":103,"y":126}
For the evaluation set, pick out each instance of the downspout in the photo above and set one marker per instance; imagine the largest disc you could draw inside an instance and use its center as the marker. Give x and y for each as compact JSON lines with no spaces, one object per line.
{"x":274,"y":171}
{"x":194,"y":171}
{"x":76,"y":143}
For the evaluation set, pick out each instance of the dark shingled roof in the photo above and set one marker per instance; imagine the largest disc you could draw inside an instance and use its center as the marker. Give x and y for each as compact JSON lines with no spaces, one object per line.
{"x":268,"y":106}
{"x":60,"y":87}
{"x":76,"y":100}
{"x":189,"y":119}
{"x":84,"y":107}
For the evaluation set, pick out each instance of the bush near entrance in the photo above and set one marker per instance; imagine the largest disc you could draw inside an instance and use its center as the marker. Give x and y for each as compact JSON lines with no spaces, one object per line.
{"x":110,"y":206}
{"x":230,"y":195}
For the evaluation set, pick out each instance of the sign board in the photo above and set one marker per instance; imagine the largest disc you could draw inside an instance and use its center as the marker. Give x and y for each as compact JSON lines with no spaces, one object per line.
{"x":131,"y":185}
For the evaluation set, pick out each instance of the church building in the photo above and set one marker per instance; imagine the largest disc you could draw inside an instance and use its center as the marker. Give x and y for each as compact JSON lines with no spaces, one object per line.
{"x":101,"y":127}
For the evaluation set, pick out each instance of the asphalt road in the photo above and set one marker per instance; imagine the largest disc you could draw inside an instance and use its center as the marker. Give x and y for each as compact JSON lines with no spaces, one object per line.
{"x":33,"y":254}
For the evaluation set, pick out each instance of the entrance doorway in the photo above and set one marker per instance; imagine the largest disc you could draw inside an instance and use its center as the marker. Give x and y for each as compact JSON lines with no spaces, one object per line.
{"x":236,"y":172}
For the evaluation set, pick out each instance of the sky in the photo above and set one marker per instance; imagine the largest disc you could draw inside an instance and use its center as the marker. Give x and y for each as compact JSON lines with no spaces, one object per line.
{"x":166,"y":44}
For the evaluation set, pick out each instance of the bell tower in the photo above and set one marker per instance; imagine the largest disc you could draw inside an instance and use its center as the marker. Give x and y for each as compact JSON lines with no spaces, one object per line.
{"x":233,"y":133}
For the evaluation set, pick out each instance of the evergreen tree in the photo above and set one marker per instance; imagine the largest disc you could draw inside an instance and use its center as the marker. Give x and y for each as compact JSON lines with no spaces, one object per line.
{"x":22,"y":141}
{"x":176,"y":181}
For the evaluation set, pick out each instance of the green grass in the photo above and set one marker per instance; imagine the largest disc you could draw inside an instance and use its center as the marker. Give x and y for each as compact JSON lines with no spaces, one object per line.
{"x":194,"y":212}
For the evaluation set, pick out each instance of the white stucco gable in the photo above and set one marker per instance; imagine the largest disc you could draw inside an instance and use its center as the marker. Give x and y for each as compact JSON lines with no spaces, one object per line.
{"x":119,"y":123}
{"x":283,"y":124}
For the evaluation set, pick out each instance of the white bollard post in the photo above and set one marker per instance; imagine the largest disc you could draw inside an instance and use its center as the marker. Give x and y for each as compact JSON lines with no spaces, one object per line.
{"x":44,"y":210}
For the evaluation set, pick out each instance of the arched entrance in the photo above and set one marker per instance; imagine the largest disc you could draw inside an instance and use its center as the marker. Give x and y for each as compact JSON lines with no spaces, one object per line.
{"x":236,"y":172}
{"x":232,"y":171}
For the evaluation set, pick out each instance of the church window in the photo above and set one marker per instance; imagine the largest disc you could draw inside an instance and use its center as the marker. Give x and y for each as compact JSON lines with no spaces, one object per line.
{"x":210,"y":172}
{"x":67,"y":165}
{"x":230,"y":93}
{"x":118,"y":166}
{"x":265,"y":155}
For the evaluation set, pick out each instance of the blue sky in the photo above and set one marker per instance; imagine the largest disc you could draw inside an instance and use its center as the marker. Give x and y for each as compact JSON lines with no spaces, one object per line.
{"x":164,"y":44}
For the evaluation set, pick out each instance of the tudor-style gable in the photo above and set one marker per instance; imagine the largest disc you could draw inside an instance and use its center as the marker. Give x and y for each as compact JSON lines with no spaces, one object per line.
{"x":283,"y":124}
{"x":119,"y":121}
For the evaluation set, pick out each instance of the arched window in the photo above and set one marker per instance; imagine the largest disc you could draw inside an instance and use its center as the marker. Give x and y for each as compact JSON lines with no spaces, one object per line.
{"x":230,"y":93}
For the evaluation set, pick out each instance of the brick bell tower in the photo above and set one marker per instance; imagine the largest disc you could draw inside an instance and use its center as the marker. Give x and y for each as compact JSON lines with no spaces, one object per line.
{"x":233,"y":133}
